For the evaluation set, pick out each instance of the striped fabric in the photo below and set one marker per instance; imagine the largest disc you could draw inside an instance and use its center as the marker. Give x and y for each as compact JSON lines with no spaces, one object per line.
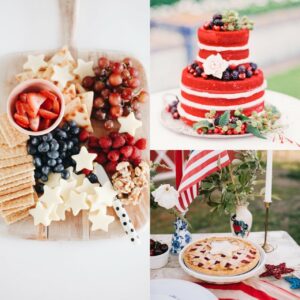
{"x":199,"y":165}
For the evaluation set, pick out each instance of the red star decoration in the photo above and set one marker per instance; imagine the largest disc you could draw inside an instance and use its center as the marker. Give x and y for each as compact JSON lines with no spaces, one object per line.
{"x":276,"y":271}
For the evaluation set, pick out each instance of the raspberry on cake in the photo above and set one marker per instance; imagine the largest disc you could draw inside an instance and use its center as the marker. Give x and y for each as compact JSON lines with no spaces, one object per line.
{"x":222,"y":78}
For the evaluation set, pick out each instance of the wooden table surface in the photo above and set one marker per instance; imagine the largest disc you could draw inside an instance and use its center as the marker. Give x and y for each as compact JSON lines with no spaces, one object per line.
{"x":286,"y":250}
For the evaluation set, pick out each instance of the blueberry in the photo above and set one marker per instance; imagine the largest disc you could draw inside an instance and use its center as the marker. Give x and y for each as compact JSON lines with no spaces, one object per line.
{"x":59,"y":161}
{"x":217,"y":16}
{"x":241,"y":69}
{"x":44,"y":178}
{"x":75,"y":150}
{"x":47,"y":137}
{"x":217,"y":120}
{"x":39,"y":188}
{"x":70,"y":145}
{"x":249,"y":73}
{"x":45,"y":170}
{"x":53,"y":154}
{"x":226,"y":75}
{"x":54,"y":145}
{"x":218,"y":22}
{"x":51,"y":162}
{"x":73,"y":124}
{"x":66,"y":127}
{"x":34,"y":141}
{"x":61,"y":135}
{"x":235,"y":75}
{"x":65,"y":174}
{"x":31,"y":149}
{"x":253,"y":66}
{"x":37,"y":174}
{"x":59,"y":168}
{"x":75,"y":140}
{"x":43,"y":147}
{"x":63,"y":155}
{"x":37,"y":162}
{"x":63,"y":146}
{"x":92,"y":177}
{"x":75,"y":130}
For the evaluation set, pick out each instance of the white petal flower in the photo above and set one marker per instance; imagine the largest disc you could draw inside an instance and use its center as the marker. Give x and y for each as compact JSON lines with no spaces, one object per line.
{"x":215,"y":65}
{"x":166,"y":196}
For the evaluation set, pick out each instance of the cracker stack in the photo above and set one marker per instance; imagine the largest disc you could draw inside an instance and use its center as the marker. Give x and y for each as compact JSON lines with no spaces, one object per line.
{"x":16,"y":174}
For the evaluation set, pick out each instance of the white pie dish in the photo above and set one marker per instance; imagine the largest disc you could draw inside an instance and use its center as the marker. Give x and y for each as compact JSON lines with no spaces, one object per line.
{"x":225,"y":279}
{"x":159,"y":261}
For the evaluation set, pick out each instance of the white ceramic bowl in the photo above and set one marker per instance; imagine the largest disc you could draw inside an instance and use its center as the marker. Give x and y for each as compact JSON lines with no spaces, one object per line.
{"x":225,"y":279}
{"x":34,"y":85}
{"x":159,"y":261}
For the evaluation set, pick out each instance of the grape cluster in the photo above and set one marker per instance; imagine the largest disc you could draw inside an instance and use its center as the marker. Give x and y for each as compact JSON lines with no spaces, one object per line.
{"x":52,"y":151}
{"x":173,"y":109}
{"x":117,"y":91}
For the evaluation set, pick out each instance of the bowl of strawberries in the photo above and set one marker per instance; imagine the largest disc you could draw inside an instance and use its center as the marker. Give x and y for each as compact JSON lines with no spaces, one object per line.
{"x":35,"y":107}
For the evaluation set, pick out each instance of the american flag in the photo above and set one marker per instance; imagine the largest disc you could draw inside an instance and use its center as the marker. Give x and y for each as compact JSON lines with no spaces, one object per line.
{"x":199,"y":165}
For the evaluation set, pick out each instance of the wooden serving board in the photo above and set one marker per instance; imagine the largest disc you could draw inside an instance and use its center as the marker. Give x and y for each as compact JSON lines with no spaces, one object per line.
{"x":73,"y":228}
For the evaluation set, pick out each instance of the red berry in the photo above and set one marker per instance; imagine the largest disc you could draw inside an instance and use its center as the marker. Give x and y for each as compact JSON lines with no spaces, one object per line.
{"x":118,"y":142}
{"x":216,"y":130}
{"x":111,"y":166}
{"x":126,"y":151}
{"x":84,"y":135}
{"x":203,"y":75}
{"x":242,"y":76}
{"x":141,"y":144}
{"x":210,"y":131}
{"x":256,"y":72}
{"x":206,"y":25}
{"x":114,"y":134}
{"x":93,"y":142}
{"x":23,"y":97}
{"x":136,"y":153}
{"x":232,"y":67}
{"x":136,"y":162}
{"x":86,"y":172}
{"x":199,"y":130}
{"x":130,"y":140}
{"x":113,"y":155}
{"x":101,"y":158}
{"x":105,"y":142}
{"x":216,"y":28}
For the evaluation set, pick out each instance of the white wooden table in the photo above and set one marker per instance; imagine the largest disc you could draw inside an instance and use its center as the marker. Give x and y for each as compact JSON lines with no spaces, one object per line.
{"x":287,"y":250}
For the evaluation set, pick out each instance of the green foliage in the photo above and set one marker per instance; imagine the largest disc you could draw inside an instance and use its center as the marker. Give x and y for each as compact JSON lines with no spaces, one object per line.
{"x":233,"y":21}
{"x":234,"y":184}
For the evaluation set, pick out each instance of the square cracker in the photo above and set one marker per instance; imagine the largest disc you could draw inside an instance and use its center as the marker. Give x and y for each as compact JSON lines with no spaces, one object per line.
{"x":11,"y":135}
{"x":16,"y":188}
{"x":14,"y":161}
{"x":16,"y":170}
{"x":10,"y":182}
{"x":16,"y":194}
{"x":7,"y":152}
{"x":17,"y":216}
{"x":25,"y":200}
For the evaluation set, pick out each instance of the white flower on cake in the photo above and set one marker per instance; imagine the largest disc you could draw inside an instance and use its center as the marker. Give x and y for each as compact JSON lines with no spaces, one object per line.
{"x":223,"y":247}
{"x":215,"y":65}
{"x":166,"y":196}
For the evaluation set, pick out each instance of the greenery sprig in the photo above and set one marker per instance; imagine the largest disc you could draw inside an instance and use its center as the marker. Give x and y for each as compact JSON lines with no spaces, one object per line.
{"x":232,"y":21}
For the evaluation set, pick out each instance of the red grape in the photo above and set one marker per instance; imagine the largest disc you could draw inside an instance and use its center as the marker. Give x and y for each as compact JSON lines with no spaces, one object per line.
{"x":115,"y":79}
{"x":108,"y":124}
{"x":103,"y":62}
{"x":115,"y":99}
{"x":99,"y":102}
{"x":143,"y":97}
{"x":116,"y":111}
{"x":117,"y":68}
{"x":134,"y":82}
{"x":127,"y":61}
{"x":133,"y":72}
{"x":99,"y":86}
{"x":127,"y":94}
{"x":88,"y":82}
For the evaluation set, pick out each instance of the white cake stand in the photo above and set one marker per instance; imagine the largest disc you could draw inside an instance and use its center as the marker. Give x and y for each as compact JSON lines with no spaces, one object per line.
{"x":164,"y":137}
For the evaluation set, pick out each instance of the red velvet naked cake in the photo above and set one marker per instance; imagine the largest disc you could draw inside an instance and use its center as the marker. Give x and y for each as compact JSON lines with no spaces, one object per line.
{"x":222,"y":78}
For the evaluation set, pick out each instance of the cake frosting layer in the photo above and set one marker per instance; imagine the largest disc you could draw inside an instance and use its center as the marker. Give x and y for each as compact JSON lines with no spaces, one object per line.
{"x":223,"y":38}
{"x":227,"y":55}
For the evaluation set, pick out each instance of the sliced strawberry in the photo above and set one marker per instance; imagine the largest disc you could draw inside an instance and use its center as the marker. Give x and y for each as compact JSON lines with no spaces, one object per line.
{"x":44,"y":124}
{"x":47,"y":114}
{"x":21,"y":120}
{"x":49,"y":95}
{"x":23,"y":97}
{"x":34,"y":123}
{"x":35,"y":100}
{"x":48,"y":104}
{"x":20,"y":108}
{"x":56,"y":106}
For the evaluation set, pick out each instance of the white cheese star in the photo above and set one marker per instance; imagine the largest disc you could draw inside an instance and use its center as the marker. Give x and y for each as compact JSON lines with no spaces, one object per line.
{"x":129,"y":124}
{"x":223,"y":247}
{"x":84,"y":68}
{"x":77,"y":202}
{"x":84,"y":159}
{"x":87,"y":187}
{"x":61,"y":75}
{"x":51,"y":196}
{"x":53,"y":180}
{"x":61,"y":211}
{"x":103,"y":196}
{"x":63,"y":55}
{"x":66,"y":187}
{"x":35,"y":63}
{"x":100,"y":220}
{"x":41,"y":214}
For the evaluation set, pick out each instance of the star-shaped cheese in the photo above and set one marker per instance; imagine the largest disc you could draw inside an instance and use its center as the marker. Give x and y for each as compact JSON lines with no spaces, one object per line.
{"x":84,"y":159}
{"x":53,"y":214}
{"x":223,"y":247}
{"x":63,"y":55}
{"x":103,"y":196}
{"x":84,"y":68}
{"x":51,"y":196}
{"x":41,"y":214}
{"x":77,"y":202}
{"x":129,"y":124}
{"x":87,"y":187}
{"x":53,"y":180}
{"x":61,"y":211}
{"x":35,"y":63}
{"x":66,"y":187}
{"x":100,"y":220}
{"x":61,"y":75}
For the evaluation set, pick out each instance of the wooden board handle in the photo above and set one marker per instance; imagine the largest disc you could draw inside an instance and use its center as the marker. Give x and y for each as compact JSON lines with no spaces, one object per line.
{"x":68,"y":17}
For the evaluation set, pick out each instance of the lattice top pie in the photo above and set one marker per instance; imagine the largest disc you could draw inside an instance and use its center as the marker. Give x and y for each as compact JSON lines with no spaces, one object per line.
{"x":221,"y":256}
